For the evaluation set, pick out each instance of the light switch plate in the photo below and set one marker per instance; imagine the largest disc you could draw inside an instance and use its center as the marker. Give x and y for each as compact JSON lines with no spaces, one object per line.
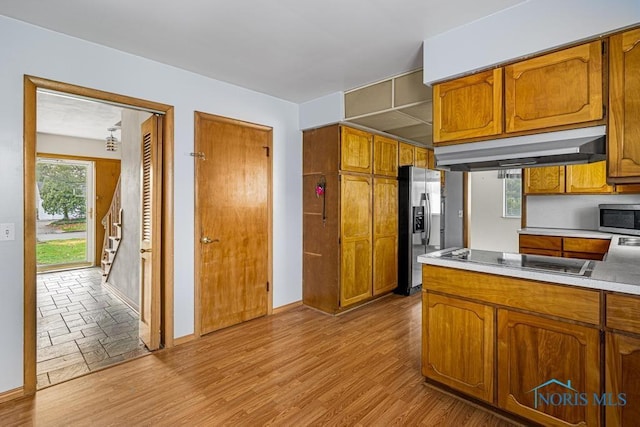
{"x":7,"y":231}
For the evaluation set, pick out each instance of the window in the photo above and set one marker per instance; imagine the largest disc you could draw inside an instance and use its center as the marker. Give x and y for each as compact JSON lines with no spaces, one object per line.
{"x":512,"y":192}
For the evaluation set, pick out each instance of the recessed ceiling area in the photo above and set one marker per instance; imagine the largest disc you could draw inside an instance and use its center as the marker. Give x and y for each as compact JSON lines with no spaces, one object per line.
{"x":291,"y":49}
{"x":60,"y":114}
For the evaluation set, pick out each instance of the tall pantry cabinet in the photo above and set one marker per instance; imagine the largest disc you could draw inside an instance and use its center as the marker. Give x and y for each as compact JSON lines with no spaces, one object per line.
{"x":350,"y":230}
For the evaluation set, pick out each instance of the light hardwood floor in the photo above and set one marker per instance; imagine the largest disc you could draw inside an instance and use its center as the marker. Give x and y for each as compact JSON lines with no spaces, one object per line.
{"x":295,"y":368}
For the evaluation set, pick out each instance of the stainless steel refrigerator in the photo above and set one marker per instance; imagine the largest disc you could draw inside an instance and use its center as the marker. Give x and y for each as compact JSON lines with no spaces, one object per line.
{"x":421,"y":225}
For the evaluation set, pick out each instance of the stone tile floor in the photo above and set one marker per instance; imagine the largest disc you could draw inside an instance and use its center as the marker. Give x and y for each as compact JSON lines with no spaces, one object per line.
{"x":81,"y":326}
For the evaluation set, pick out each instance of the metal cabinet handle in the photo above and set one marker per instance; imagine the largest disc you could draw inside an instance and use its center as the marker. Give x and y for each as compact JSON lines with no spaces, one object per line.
{"x":207,"y":240}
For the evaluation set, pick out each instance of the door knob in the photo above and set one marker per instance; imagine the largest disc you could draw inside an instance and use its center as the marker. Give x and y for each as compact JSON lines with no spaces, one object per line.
{"x":145,"y":250}
{"x":207,"y":240}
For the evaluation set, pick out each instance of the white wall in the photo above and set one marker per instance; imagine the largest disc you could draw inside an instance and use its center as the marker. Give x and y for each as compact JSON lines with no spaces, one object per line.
{"x":51,"y":55}
{"x":524,"y":29}
{"x":72,"y":146}
{"x":489,"y":230}
{"x":321,"y":111}
{"x":565,"y":211}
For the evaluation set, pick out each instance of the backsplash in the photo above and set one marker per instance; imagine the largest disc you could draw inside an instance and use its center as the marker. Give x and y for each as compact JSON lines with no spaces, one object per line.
{"x":570,"y":211}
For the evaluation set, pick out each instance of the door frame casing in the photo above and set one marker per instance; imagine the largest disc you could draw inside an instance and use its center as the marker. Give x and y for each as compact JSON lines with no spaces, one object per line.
{"x":197,"y":226}
{"x":31,"y":85}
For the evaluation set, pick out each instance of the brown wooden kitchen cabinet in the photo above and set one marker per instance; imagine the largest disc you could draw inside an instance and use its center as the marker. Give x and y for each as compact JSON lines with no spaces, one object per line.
{"x":560,"y":88}
{"x":458,"y":350}
{"x":533,"y":350}
{"x":385,"y":156}
{"x":561,"y":246}
{"x":405,"y":154}
{"x":355,"y":231}
{"x":385,"y":235}
{"x":544,"y":180}
{"x":623,"y":142}
{"x":350,"y":224}
{"x":623,"y":376}
{"x":421,"y":157}
{"x":355,"y":150}
{"x":589,"y":178}
{"x":468,"y":107}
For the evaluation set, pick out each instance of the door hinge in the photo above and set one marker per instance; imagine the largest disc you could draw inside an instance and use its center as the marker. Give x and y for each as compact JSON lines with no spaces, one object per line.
{"x":267,"y":286}
{"x":267,"y":149}
{"x":198,"y":155}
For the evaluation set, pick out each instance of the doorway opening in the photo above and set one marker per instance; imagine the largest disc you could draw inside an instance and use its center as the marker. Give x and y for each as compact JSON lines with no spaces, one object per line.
{"x":88,"y":203}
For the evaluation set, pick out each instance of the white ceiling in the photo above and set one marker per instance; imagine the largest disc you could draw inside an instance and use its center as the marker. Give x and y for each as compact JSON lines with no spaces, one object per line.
{"x":64,"y":115}
{"x":296,"y":50}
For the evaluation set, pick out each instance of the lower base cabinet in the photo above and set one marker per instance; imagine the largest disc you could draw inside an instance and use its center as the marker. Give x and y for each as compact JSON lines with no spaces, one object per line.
{"x":547,"y":368}
{"x":623,"y":379}
{"x":458,"y":347}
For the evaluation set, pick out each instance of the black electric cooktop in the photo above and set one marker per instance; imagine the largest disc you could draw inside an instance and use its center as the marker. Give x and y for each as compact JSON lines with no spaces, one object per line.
{"x":549,"y":264}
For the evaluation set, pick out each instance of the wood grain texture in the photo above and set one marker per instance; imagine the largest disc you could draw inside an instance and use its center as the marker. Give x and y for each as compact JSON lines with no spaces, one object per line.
{"x":233,"y":268}
{"x":356,"y":217}
{"x":385,"y":235}
{"x":468,"y":107}
{"x":589,"y":178}
{"x":544,"y":180}
{"x":405,"y":154}
{"x":421,"y":157}
{"x":385,"y":156}
{"x":458,"y":344}
{"x":531,"y":295}
{"x":355,"y":150}
{"x":559,"y":88}
{"x":431,"y":160}
{"x":578,"y":244}
{"x":533,"y":241}
{"x":296,"y":368}
{"x":546,"y":252}
{"x":623,"y":142}
{"x":533,"y":350}
{"x":623,"y":376}
{"x":623,"y":312}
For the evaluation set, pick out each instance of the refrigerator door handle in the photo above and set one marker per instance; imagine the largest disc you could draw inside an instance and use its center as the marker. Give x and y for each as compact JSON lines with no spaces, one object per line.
{"x":427,"y":214}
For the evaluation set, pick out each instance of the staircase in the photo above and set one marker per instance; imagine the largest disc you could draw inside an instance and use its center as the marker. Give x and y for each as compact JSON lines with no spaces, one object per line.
{"x":112,"y":223}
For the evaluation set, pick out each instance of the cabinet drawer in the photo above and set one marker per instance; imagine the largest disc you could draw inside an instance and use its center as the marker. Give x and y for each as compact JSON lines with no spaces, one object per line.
{"x":535,"y":251}
{"x":623,"y":312}
{"x":541,"y":242}
{"x":583,"y":255}
{"x":576,"y":244}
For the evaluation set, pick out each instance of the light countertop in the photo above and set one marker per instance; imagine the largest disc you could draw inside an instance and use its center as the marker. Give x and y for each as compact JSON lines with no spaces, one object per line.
{"x":619,"y":273}
{"x":565,"y":232}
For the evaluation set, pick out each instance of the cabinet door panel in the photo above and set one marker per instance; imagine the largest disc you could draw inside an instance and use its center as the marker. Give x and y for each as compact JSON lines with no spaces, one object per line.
{"x":355,"y":225}
{"x":544,"y":180}
{"x":624,"y":91}
{"x":385,"y":235}
{"x":557,"y":89}
{"x":421,"y":157}
{"x":623,"y":376}
{"x":405,"y":154}
{"x":533,"y":351}
{"x":468,"y":107}
{"x":458,"y":344}
{"x":385,"y":156}
{"x":355,"y":150}
{"x":587,"y":178}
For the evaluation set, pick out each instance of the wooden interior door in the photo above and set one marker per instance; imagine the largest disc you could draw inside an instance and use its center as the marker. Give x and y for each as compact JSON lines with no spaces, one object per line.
{"x":233,"y":182}
{"x":150,"y":231}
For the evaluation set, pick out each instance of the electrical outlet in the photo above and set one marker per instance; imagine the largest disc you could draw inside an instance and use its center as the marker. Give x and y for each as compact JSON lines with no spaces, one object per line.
{"x":460,"y":214}
{"x":7,"y":231}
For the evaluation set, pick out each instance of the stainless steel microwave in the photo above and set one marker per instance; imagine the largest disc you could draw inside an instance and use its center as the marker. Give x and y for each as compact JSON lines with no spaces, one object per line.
{"x":622,"y":219}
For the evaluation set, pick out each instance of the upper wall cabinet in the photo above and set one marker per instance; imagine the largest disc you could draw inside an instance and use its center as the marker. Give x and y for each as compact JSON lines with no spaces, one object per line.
{"x":355,"y":150}
{"x":624,"y":93}
{"x":560,"y":88}
{"x":405,"y":154}
{"x":468,"y":107}
{"x":385,"y":156}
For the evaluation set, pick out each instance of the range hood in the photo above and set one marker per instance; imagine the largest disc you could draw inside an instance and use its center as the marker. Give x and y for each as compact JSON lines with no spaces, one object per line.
{"x":584,"y":145}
